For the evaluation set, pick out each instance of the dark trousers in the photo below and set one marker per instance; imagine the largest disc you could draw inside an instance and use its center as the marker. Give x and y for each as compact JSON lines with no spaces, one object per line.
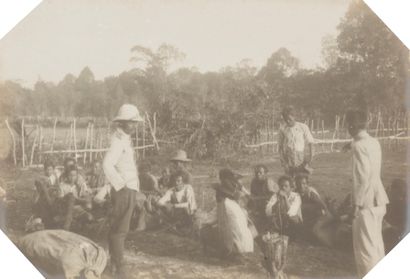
{"x":123,"y":203}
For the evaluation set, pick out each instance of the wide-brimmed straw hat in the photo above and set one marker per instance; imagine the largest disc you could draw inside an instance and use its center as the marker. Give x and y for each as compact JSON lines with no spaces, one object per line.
{"x":128,"y":112}
{"x":180,"y":155}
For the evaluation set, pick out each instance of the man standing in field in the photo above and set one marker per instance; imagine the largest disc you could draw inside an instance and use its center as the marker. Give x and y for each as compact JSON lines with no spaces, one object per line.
{"x":293,"y":137}
{"x":369,"y":195}
{"x":121,"y":172}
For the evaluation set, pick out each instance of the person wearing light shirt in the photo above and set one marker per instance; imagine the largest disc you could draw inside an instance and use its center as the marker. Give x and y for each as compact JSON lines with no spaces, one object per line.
{"x":46,"y":190}
{"x":121,"y":172}
{"x":179,"y":201}
{"x":369,"y":195}
{"x":74,"y":199}
{"x":284,"y":207}
{"x":292,"y":140}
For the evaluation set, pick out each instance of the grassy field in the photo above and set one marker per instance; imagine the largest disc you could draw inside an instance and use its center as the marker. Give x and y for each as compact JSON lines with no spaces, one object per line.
{"x":164,"y":255}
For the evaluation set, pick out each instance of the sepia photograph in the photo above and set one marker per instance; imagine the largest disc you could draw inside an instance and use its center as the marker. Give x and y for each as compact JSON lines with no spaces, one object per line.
{"x":213,"y":139}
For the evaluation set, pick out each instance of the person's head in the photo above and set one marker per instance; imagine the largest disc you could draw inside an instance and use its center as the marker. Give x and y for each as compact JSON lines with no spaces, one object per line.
{"x":285,"y":184}
{"x":302,"y":182}
{"x":288,"y":115}
{"x":96,"y":167}
{"x":72,"y":174}
{"x":68,"y":162}
{"x":229,"y":177}
{"x":356,"y":121}
{"x":178,"y":180}
{"x":228,"y":174}
{"x":178,"y":164}
{"x":49,"y":168}
{"x":128,"y":127}
{"x":127,"y":117}
{"x":260,"y":172}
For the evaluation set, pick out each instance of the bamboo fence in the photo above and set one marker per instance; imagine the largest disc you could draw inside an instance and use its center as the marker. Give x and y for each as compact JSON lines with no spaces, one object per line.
{"x":30,"y":144}
{"x":86,"y":140}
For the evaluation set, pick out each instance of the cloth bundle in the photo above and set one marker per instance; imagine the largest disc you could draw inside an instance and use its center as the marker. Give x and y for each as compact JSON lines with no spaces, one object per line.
{"x":59,"y":252}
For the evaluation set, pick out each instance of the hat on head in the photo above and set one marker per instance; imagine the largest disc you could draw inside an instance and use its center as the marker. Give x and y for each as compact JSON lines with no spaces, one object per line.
{"x":128,"y":112}
{"x":181,"y":156}
{"x":229,"y":174}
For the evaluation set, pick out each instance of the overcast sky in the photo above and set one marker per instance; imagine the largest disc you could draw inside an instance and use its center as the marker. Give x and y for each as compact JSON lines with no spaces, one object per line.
{"x":61,"y":37}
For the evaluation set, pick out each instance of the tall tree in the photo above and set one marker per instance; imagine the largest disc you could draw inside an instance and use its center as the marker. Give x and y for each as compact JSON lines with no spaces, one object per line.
{"x":376,"y":56}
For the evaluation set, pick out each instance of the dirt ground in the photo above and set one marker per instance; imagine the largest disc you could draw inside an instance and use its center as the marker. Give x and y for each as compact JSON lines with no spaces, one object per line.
{"x":164,"y":255}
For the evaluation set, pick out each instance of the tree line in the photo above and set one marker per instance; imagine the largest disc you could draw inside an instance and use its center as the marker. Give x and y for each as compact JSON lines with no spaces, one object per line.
{"x":364,"y":65}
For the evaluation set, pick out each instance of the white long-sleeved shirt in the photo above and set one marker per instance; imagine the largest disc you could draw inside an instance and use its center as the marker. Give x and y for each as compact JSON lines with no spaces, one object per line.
{"x":368,"y":190}
{"x":184,"y":198}
{"x":119,"y":165}
{"x":294,"y":201}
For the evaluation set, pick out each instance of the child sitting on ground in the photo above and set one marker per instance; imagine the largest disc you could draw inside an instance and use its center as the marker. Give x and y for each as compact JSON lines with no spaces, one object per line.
{"x":284,"y":208}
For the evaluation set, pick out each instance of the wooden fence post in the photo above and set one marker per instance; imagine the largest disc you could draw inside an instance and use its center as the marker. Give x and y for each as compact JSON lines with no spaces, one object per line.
{"x":136,"y":141}
{"x":143,"y":137}
{"x":54,"y":134}
{"x":23,"y":154}
{"x":91,"y":141}
{"x":34,"y":146}
{"x":40,"y":144}
{"x":86,"y":143}
{"x":323,"y":135}
{"x":14,"y":141}
{"x":75,"y":139}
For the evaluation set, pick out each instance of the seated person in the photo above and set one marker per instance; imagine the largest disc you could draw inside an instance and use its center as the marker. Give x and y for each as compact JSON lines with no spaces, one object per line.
{"x":179,"y":202}
{"x":164,"y":180}
{"x":262,"y":188}
{"x":96,"y":178}
{"x":75,"y":197}
{"x":148,"y":182}
{"x":179,"y":164}
{"x":46,"y":193}
{"x":100,"y":189}
{"x":312,"y":204}
{"x":284,"y":208}
{"x":68,"y":163}
{"x":146,"y":198}
{"x":235,"y":234}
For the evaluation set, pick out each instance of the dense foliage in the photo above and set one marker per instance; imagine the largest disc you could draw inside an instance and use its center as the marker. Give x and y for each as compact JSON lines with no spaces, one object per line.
{"x":365,"y":65}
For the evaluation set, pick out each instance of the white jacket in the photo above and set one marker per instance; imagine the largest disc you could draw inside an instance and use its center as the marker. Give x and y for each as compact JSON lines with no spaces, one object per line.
{"x":368,"y":190}
{"x":119,"y":165}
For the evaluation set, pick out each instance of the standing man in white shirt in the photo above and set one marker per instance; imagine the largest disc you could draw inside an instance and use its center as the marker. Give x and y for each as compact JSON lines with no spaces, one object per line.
{"x":369,"y":195}
{"x":121,"y":172}
{"x":293,"y":138}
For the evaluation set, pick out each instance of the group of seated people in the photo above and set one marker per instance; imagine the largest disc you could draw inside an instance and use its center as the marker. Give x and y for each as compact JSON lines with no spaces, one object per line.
{"x":68,"y":199}
{"x":289,"y":206}
{"x":293,"y":208}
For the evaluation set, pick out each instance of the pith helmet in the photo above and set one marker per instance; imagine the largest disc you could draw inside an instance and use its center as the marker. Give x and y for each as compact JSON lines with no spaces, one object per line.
{"x":128,"y":112}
